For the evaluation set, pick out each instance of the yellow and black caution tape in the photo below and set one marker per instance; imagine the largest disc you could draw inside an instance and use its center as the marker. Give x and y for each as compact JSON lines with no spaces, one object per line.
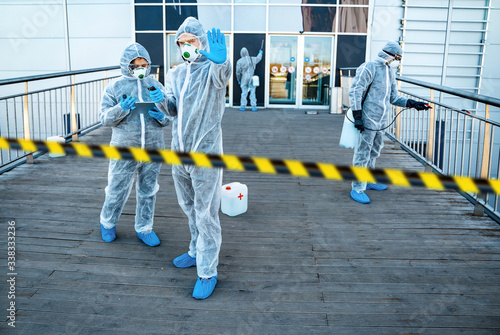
{"x":262,"y":165}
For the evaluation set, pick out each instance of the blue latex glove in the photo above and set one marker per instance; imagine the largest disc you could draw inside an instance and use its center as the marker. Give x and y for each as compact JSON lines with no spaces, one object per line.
{"x":217,"y":44}
{"x":239,"y":83}
{"x":156,"y":95}
{"x":128,"y":103}
{"x":156,"y":114}
{"x":260,"y":51}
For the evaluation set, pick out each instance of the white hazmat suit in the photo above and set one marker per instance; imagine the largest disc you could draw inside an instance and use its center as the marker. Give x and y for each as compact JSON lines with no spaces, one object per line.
{"x":376,"y":81}
{"x":132,"y":128}
{"x":245,"y":67}
{"x":196,"y":99}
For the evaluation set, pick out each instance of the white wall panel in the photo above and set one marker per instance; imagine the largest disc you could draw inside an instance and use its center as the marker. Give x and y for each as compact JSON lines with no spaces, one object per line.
{"x":96,"y":52}
{"x":100,"y":20}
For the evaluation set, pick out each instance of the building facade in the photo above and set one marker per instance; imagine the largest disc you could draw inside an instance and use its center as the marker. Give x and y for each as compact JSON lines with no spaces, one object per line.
{"x":451,"y":42}
{"x":304,"y":42}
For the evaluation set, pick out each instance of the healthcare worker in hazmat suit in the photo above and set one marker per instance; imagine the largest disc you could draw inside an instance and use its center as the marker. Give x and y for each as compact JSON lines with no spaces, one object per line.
{"x":195,"y":97}
{"x":245,"y":68}
{"x":371,"y":94}
{"x":132,"y":127}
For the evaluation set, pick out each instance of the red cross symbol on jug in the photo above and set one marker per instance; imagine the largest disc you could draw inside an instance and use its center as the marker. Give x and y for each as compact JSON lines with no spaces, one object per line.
{"x":240,"y":196}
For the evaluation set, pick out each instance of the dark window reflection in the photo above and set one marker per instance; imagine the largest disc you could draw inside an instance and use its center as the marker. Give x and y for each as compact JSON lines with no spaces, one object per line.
{"x":318,"y":19}
{"x":148,"y":18}
{"x":154,"y":44}
{"x":320,"y":2}
{"x":351,"y":50}
{"x":175,"y":15}
{"x":194,"y":1}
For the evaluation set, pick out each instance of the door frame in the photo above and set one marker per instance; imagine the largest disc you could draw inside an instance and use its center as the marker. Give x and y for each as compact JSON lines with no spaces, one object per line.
{"x":300,"y":75}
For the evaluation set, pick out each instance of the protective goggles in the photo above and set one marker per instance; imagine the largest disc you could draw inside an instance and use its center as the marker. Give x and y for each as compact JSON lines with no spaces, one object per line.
{"x":135,"y":66}
{"x":396,"y":57}
{"x":185,"y":38}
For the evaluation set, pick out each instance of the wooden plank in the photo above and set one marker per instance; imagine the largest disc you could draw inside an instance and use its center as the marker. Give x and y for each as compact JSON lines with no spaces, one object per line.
{"x":305,"y":258}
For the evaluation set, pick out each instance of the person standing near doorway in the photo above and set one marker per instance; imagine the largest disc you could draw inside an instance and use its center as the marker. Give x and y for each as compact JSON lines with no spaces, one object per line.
{"x":245,"y":68}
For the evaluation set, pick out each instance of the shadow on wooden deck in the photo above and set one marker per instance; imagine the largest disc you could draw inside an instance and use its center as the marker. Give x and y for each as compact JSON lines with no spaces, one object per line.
{"x":304,"y":259}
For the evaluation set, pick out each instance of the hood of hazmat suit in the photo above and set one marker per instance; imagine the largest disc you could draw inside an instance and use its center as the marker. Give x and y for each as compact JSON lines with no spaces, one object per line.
{"x":376,"y":83}
{"x":196,"y":97}
{"x":132,"y":127}
{"x":391,"y":48}
{"x":245,"y":66}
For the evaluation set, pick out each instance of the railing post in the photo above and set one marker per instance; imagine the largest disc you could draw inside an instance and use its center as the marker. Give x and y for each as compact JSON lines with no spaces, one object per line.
{"x":485,"y":163}
{"x":26,"y":123}
{"x":340,"y":100}
{"x":105,"y":78}
{"x":397,"y":133}
{"x":430,"y":135}
{"x":74,"y":126}
{"x":158,"y":73}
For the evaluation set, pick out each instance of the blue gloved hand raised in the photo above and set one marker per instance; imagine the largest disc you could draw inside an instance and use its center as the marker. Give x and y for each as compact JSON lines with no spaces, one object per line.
{"x":261,"y":51}
{"x":217,"y":44}
{"x":128,"y":103}
{"x":156,"y":95}
{"x":156,"y":114}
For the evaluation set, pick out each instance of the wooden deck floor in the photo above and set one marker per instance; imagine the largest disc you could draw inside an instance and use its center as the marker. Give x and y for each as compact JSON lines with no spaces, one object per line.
{"x":304,"y":259}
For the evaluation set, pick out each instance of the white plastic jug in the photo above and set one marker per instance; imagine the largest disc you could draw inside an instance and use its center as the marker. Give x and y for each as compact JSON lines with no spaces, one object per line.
{"x":234,"y":199}
{"x":255,"y":81}
{"x":59,"y":139}
{"x":349,"y":136}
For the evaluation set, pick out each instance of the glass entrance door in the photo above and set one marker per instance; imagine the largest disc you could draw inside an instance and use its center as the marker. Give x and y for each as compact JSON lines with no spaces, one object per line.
{"x":282,"y":66}
{"x":316,"y":70}
{"x":299,"y":70}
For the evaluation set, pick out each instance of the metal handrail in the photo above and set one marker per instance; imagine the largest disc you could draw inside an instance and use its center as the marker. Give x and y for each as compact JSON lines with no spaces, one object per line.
{"x":449,"y":90}
{"x":60,"y":74}
{"x":456,"y":92}
{"x":461,"y":111}
{"x":56,"y":88}
{"x":67,"y":110}
{"x":55,"y":75}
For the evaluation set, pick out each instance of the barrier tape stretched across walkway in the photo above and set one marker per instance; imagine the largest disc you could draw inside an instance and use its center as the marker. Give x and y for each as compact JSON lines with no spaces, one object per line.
{"x":262,"y":165}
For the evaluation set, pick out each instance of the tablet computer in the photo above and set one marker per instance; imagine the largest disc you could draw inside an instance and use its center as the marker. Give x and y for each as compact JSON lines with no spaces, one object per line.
{"x":143,"y":107}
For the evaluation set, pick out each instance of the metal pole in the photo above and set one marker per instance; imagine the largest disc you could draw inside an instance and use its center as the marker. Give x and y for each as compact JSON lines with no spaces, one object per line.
{"x":430,"y":135}
{"x":26,"y":122}
{"x":74,"y":126}
{"x":485,"y":163}
{"x":397,"y":145}
{"x":446,"y":47}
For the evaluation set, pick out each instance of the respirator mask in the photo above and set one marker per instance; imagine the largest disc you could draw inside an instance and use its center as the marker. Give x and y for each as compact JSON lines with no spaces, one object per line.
{"x":393,"y":61}
{"x":393,"y":64}
{"x":138,"y":71}
{"x":189,"y":52}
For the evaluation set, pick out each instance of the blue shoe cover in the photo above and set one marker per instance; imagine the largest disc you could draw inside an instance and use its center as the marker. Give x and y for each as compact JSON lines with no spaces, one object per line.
{"x":108,"y":235}
{"x":254,"y":109}
{"x":376,"y":187}
{"x":243,"y":109}
{"x":360,"y":197}
{"x":150,"y":238}
{"x":204,"y":287}
{"x":184,"y":261}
